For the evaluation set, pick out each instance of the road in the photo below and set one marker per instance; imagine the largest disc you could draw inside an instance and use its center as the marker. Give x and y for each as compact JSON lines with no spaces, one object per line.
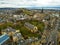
{"x":53,"y":35}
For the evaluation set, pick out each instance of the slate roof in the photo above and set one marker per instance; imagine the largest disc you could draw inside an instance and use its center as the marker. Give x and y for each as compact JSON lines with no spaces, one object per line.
{"x":9,"y":29}
{"x":29,"y":25}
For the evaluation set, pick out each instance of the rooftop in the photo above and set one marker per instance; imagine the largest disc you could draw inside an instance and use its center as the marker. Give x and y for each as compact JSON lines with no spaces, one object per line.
{"x":3,"y":38}
{"x":9,"y":29}
{"x":29,"y":25}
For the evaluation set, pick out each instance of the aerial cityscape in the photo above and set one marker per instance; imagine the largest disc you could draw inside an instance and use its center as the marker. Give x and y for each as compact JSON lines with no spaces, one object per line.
{"x":33,"y":22}
{"x":29,"y":26}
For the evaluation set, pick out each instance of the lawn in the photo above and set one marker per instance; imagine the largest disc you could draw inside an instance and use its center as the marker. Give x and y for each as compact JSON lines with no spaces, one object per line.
{"x":25,"y":32}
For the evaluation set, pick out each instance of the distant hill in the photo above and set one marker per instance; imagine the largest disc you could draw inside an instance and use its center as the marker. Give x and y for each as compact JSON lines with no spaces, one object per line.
{"x":55,"y":8}
{"x":8,"y":8}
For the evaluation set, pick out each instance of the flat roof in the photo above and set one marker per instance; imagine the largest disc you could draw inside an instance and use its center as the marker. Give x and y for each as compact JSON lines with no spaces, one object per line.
{"x":3,"y":38}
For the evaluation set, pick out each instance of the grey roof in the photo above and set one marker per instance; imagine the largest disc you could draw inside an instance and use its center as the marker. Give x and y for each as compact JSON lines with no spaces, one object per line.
{"x":29,"y":25}
{"x":18,"y":35}
{"x":9,"y":29}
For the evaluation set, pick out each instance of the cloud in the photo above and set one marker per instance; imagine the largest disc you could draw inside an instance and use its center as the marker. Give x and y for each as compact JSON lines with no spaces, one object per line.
{"x":29,"y":3}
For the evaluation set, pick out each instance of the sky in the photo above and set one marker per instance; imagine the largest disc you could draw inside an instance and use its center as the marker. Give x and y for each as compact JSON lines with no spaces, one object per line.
{"x":29,"y":3}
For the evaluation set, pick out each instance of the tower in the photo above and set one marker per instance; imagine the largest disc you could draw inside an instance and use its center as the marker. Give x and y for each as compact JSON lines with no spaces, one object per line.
{"x":42,"y":10}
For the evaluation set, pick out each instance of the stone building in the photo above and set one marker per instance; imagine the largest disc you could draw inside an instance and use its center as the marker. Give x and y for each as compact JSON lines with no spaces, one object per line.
{"x":31,"y":27}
